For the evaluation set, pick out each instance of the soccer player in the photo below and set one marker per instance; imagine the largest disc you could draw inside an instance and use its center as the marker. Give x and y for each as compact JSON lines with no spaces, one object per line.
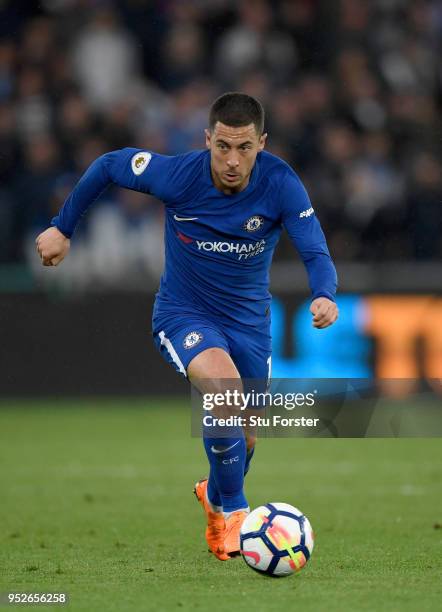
{"x":225,"y":208}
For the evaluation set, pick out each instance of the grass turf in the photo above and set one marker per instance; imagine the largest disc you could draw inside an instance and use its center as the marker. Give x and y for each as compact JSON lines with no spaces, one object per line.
{"x":96,"y":501}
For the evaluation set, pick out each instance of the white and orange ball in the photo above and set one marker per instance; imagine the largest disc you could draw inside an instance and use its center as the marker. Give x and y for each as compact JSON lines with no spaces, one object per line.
{"x":276,"y":539}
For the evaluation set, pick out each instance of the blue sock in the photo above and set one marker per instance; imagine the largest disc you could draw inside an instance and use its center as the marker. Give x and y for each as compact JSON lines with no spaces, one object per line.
{"x":248,"y":459}
{"x":227,"y":459}
{"x":212,"y":491}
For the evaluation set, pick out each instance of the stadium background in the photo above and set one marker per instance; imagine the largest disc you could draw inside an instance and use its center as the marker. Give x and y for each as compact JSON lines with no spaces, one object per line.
{"x":352,"y":91}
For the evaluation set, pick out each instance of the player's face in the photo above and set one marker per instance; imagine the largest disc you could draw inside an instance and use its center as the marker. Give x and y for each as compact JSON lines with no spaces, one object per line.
{"x":233,"y":152}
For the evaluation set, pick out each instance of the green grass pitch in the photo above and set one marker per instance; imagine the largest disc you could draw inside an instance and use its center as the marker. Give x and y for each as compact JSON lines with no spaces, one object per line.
{"x":96,"y":500}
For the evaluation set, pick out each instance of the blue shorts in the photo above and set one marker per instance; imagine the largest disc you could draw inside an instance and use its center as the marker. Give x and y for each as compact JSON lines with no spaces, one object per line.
{"x":181,"y":335}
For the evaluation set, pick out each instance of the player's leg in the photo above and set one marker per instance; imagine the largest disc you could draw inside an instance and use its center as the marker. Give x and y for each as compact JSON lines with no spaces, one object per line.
{"x":205,"y":372}
{"x":198,"y":352}
{"x":213,"y":371}
{"x":181,"y":338}
{"x":251,"y":351}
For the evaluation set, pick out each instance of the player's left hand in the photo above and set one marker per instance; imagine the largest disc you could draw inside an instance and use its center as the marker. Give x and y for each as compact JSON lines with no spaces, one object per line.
{"x":324,"y":311}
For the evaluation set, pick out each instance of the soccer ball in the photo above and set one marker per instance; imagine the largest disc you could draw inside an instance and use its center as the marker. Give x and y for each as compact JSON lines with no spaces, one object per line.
{"x":276,"y":539}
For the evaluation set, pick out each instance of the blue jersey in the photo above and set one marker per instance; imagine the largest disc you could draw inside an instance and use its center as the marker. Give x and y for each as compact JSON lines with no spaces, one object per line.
{"x":218,"y":247}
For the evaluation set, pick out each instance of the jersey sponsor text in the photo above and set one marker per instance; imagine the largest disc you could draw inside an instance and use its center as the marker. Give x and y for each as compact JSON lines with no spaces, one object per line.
{"x":243,"y":250}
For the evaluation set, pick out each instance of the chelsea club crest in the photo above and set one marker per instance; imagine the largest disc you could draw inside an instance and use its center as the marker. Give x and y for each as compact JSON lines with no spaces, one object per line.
{"x":192,"y":339}
{"x":254,"y":223}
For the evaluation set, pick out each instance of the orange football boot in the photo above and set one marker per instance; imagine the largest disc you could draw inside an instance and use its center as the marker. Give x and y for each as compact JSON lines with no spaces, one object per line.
{"x":216,"y":524}
{"x":231,"y":537}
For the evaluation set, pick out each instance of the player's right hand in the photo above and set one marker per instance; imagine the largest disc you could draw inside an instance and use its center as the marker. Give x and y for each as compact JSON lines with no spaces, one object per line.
{"x":52,"y":246}
{"x":324,"y":311}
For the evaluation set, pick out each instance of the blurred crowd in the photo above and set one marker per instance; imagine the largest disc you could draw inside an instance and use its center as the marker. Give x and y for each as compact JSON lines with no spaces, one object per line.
{"x":352,"y":91}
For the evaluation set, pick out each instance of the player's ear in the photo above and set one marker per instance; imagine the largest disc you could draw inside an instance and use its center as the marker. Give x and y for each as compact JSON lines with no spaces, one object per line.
{"x":208,"y":134}
{"x":262,"y":141}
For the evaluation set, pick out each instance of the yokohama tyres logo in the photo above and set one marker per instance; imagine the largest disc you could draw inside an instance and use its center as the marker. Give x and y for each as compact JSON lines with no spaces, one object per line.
{"x":243,"y":250}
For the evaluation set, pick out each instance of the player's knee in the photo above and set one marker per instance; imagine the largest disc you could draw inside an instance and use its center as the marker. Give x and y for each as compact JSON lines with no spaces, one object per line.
{"x":211,"y":368}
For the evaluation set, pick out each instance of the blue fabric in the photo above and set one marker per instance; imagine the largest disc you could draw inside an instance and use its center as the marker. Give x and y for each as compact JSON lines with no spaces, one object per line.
{"x":250,"y":350}
{"x":189,"y":334}
{"x":218,"y":247}
{"x":249,"y":457}
{"x":214,"y":289}
{"x":212,"y":490}
{"x":227,"y":459}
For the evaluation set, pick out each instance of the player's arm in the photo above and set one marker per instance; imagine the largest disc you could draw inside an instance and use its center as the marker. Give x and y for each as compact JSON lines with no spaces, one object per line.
{"x":130,"y":168}
{"x":308,"y":238}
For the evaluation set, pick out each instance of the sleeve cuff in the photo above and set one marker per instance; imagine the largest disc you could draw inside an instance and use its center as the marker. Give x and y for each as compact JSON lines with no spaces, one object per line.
{"x":326,"y":294}
{"x":55,"y":223}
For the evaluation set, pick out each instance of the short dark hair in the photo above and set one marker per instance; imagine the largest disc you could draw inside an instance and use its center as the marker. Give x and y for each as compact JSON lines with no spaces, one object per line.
{"x":237,"y":109}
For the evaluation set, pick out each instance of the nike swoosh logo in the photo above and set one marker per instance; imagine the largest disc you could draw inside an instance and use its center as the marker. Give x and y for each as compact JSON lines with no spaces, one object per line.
{"x":217,"y":451}
{"x":184,"y":218}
